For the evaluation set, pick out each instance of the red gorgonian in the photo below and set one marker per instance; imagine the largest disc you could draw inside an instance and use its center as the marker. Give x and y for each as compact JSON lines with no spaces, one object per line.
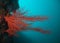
{"x":16,"y":23}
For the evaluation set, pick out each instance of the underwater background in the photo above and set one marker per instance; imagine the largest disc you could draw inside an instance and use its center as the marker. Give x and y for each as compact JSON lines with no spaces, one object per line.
{"x":49,"y":8}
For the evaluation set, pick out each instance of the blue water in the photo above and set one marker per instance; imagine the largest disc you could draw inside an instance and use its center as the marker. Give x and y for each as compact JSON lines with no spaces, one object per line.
{"x":49,"y":8}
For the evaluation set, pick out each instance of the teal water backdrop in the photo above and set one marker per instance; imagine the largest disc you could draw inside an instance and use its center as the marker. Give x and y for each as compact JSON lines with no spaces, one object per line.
{"x":49,"y":8}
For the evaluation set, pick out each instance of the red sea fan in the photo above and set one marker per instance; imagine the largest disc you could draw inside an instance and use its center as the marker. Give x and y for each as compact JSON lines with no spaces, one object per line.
{"x":15,"y":23}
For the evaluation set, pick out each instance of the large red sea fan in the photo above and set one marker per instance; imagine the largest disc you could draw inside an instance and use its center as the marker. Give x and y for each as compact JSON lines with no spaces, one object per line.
{"x":15,"y":23}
